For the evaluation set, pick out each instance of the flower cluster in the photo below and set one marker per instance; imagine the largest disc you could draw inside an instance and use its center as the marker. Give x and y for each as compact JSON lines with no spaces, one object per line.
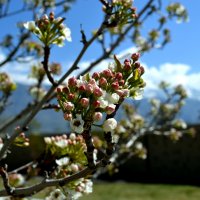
{"x":49,"y":30}
{"x":16,"y":180}
{"x":33,"y":47}
{"x":6,"y":84}
{"x":21,"y":140}
{"x":177,"y":10}
{"x":122,"y":13}
{"x":69,"y":151}
{"x":92,"y":95}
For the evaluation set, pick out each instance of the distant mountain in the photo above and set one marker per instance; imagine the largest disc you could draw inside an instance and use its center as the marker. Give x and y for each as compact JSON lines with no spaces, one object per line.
{"x":52,"y":122}
{"x":44,"y":120}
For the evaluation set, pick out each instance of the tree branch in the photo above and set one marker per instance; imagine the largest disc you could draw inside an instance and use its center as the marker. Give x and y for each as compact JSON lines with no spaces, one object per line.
{"x":46,"y":63}
{"x":14,"y":51}
{"x":38,"y":106}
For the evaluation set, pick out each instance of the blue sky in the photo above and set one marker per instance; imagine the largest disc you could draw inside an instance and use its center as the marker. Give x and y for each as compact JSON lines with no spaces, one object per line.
{"x":178,"y":62}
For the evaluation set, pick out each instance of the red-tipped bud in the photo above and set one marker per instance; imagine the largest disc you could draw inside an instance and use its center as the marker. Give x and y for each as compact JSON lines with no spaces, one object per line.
{"x":118,"y":76}
{"x":127,"y":64}
{"x":59,"y":90}
{"x":89,"y":88}
{"x":96,"y":75}
{"x":115,"y":85}
{"x":84,"y":102}
{"x":121,"y":82}
{"x":135,"y":56}
{"x":98,"y":92}
{"x":141,"y":70}
{"x":82,"y":88}
{"x":65,"y":90}
{"x":110,"y":109}
{"x":107,"y":73}
{"x":72,"y":82}
{"x":51,"y":16}
{"x":96,"y":104}
{"x":92,"y":81}
{"x":68,"y":106}
{"x":67,"y":116}
{"x":137,"y":65}
{"x":103,"y":81}
{"x":97,"y":116}
{"x":71,"y":96}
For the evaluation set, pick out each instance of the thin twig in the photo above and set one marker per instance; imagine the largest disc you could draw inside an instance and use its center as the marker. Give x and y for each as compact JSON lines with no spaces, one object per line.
{"x":14,"y":51}
{"x":36,"y":109}
{"x":46,"y":65}
{"x":117,"y":42}
{"x":12,"y":120}
{"x":31,"y":190}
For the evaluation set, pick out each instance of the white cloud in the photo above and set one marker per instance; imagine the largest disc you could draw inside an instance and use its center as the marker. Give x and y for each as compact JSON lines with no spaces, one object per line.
{"x":173,"y":73}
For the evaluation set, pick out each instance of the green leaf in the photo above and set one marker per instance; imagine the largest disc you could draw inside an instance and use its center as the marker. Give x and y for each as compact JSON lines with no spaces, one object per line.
{"x":118,"y":64}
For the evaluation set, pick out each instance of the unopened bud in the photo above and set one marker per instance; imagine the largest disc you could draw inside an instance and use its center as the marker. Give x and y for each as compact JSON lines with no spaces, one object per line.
{"x":84,"y":102}
{"x":97,"y":116}
{"x":135,"y":56}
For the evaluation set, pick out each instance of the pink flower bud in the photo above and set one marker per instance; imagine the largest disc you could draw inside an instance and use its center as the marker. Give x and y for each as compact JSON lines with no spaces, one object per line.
{"x":103,"y":81}
{"x":74,"y":167}
{"x":97,"y":116}
{"x":84,"y":102}
{"x":118,"y":76}
{"x":110,"y":109}
{"x":141,"y":70}
{"x":65,"y":90}
{"x":67,"y":116}
{"x":121,"y":82}
{"x":127,"y":65}
{"x":72,"y":82}
{"x":59,"y":89}
{"x":89,"y":88}
{"x":96,"y":104}
{"x":98,"y":91}
{"x":135,"y":56}
{"x":120,"y":92}
{"x":107,"y":73}
{"x":68,"y":106}
{"x":126,"y":92}
{"x":82,"y":88}
{"x":71,"y":96}
{"x":123,"y":93}
{"x":96,"y":75}
{"x":115,"y":85}
{"x":51,"y":16}
{"x":137,"y":65}
{"x":92,"y":81}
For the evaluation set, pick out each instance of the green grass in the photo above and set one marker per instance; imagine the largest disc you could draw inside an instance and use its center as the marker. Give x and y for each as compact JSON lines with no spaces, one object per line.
{"x":125,"y":191}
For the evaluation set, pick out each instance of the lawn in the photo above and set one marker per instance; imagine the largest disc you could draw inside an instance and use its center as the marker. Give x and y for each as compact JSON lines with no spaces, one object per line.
{"x":128,"y":191}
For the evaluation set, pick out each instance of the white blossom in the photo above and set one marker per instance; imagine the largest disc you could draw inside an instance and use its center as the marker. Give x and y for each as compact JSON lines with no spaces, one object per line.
{"x":56,"y":195}
{"x":61,"y":143}
{"x":37,"y":93}
{"x":138,"y":145}
{"x":109,"y":125}
{"x":77,"y":124}
{"x":112,"y":98}
{"x":67,"y":34}
{"x":72,"y":136}
{"x":62,"y":161}
{"x":30,"y":25}
{"x":88,"y":187}
{"x":138,"y":94}
{"x":120,"y":129}
{"x":47,"y":140}
{"x":103,"y":103}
